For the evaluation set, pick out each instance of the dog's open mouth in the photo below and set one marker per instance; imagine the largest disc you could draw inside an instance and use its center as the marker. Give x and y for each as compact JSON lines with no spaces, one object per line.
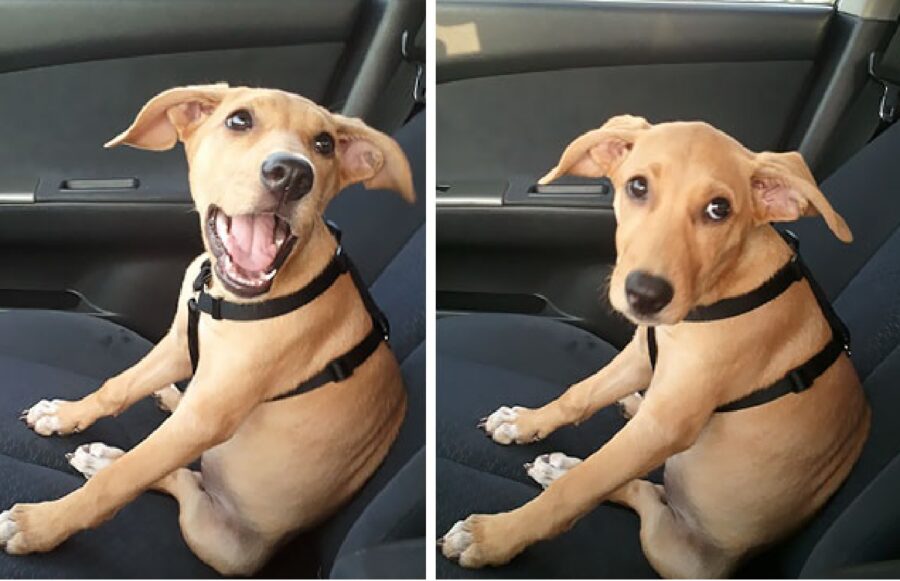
{"x":249,"y":249}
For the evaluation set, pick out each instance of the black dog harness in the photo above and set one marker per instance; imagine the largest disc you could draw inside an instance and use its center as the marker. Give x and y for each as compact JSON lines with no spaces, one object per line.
{"x":799,"y":378}
{"x":339,"y":368}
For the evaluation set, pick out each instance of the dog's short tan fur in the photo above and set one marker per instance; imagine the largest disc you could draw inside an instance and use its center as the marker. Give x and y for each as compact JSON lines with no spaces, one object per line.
{"x":268,"y":469}
{"x":736,"y":481}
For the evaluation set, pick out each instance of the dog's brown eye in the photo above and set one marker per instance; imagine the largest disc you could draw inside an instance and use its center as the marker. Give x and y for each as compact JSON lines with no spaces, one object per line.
{"x":637,"y":187}
{"x":240,"y":120}
{"x":717,"y":209}
{"x":324,"y":143}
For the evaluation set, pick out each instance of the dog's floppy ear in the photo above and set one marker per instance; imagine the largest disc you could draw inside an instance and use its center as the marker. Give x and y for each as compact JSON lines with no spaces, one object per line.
{"x":598,"y":152}
{"x":170,"y":116}
{"x":369,"y":156}
{"x":784,"y":190}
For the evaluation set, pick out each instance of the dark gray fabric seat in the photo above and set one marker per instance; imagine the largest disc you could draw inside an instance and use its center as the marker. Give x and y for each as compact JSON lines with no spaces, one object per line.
{"x":485,"y":361}
{"x":46,"y":354}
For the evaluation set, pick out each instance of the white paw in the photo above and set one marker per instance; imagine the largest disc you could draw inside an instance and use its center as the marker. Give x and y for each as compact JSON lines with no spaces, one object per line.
{"x":547,"y":468}
{"x":629,"y":405}
{"x":42,"y":418}
{"x":92,"y":458}
{"x":8,"y":528}
{"x":499,"y":425}
{"x":456,"y":541}
{"x":167,"y":398}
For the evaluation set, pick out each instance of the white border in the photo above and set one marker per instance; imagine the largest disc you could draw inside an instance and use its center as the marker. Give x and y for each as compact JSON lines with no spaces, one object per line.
{"x":430,"y":296}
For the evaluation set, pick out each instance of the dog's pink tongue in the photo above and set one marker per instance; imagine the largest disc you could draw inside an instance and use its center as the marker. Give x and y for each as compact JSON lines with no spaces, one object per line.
{"x":251,"y":241}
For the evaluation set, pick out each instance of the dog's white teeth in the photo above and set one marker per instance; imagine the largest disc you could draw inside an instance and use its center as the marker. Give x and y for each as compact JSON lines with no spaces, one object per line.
{"x":222,"y":225}
{"x":237,"y":275}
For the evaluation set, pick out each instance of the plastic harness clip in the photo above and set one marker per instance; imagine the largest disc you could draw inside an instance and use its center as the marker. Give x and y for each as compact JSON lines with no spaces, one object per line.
{"x":339,"y":370}
{"x":800,"y":381}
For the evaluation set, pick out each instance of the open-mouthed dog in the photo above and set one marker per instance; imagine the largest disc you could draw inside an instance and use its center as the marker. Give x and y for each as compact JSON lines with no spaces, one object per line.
{"x":294,"y":397}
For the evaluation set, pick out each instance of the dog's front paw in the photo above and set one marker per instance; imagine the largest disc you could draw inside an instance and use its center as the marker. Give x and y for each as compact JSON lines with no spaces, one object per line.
{"x":92,"y":458}
{"x":168,"y":398}
{"x":8,"y":528}
{"x":547,"y":468}
{"x":510,"y":425}
{"x":48,"y":417}
{"x":43,"y":417}
{"x":628,"y":405}
{"x":471,"y":543}
{"x":31,"y":528}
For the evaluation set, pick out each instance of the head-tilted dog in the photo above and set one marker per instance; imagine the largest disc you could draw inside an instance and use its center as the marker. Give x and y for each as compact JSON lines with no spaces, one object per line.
{"x":685,"y":214}
{"x":749,"y":398}
{"x":263,"y":166}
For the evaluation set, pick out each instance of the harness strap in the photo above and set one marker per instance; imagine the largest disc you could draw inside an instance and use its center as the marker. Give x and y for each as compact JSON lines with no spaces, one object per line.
{"x":193,"y":335}
{"x":799,"y":378}
{"x":796,"y":380}
{"x":787,"y":275}
{"x":219,"y":309}
{"x":339,"y":368}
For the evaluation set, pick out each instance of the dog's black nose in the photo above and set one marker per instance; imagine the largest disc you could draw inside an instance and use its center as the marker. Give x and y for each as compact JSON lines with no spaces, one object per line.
{"x":288,"y":175}
{"x":647,"y":294}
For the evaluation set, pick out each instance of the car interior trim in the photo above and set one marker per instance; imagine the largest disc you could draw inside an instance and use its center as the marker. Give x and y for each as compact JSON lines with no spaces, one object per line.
{"x":888,"y":10}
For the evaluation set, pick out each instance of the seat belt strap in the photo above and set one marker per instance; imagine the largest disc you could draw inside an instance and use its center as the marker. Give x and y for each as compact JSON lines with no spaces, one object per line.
{"x":875,"y":107}
{"x":884,"y":67}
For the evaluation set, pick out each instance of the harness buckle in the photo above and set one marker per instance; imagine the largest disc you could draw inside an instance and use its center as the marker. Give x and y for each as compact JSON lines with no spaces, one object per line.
{"x":792,"y":239}
{"x":339,"y":370}
{"x":845,"y":340}
{"x":341,"y":258}
{"x":215,"y":310}
{"x":192,"y":305}
{"x":383,"y":325}
{"x":334,"y":229}
{"x":799,"y":380}
{"x":203,"y":276}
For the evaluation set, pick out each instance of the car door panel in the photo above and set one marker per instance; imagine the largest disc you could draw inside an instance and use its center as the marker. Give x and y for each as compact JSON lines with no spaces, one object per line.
{"x":491,"y":37}
{"x":111,"y":231}
{"x":51,"y":32}
{"x":546,"y":110}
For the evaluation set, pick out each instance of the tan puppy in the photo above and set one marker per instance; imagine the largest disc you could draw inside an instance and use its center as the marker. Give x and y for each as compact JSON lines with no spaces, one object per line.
{"x":693,"y":208}
{"x":263,"y":166}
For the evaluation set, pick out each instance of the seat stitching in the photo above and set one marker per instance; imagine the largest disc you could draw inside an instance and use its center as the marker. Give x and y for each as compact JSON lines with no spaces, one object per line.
{"x":42,"y":466}
{"x":480,"y":471}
